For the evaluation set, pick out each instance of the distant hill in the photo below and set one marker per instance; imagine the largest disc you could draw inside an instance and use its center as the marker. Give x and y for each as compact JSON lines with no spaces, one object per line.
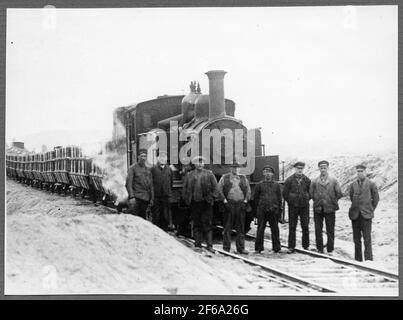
{"x":63,"y":138}
{"x":328,"y":147}
{"x":381,"y":168}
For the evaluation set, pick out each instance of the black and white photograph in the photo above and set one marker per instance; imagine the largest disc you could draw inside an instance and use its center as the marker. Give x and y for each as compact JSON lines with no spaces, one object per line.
{"x":202,"y":151}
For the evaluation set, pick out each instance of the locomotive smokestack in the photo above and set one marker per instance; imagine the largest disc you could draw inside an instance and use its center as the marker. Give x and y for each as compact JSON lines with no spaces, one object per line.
{"x":216,"y":93}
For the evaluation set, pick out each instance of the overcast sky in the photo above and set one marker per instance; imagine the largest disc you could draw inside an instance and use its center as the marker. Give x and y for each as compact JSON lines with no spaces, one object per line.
{"x":318,"y":80}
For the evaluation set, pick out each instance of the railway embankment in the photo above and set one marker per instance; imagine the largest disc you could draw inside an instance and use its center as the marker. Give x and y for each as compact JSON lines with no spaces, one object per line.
{"x":61,"y":245}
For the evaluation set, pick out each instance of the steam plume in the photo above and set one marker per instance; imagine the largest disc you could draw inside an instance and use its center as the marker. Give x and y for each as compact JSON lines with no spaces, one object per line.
{"x":112,"y":162}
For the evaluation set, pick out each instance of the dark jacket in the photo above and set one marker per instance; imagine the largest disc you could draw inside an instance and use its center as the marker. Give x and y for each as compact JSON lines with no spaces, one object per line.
{"x":139,"y":183}
{"x":364,"y":199}
{"x":325,"y":194}
{"x":208,"y":190}
{"x":297,"y":194}
{"x":267,"y":196}
{"x":162,"y":181}
{"x":225,"y":185}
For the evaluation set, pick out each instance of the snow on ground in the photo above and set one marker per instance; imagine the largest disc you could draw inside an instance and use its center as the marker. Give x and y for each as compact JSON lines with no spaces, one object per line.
{"x":383,"y":170}
{"x":60,"y":245}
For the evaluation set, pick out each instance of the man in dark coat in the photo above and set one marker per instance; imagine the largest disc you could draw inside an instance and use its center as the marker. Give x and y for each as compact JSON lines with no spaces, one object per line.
{"x":139,"y":185}
{"x":325,"y":192}
{"x":296,"y":193}
{"x":162,"y":182}
{"x":181,"y":216}
{"x":199,"y":192}
{"x":364,"y":200}
{"x":267,"y":196}
{"x":235,"y":192}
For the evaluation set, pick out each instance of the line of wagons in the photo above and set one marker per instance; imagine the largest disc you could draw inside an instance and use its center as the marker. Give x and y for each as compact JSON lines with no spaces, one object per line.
{"x":65,"y":169}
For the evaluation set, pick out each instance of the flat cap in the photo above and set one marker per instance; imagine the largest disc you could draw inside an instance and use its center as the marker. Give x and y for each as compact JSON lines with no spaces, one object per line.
{"x":360,"y":166}
{"x":267,"y":167}
{"x":141,"y":151}
{"x":299,"y":164}
{"x":323,"y":162}
{"x":198,"y":159}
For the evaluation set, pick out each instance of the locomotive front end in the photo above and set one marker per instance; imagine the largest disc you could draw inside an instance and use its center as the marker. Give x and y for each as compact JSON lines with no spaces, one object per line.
{"x":218,"y":137}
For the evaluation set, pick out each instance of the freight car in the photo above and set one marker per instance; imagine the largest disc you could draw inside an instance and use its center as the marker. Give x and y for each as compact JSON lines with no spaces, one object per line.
{"x":63,"y":169}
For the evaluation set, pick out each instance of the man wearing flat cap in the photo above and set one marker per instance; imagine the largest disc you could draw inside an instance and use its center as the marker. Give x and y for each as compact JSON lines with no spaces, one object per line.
{"x":199,"y":191}
{"x":162,"y":182}
{"x":268,"y":200}
{"x":364,"y":200}
{"x":235,"y":191}
{"x":139,"y":185}
{"x":325,"y":192}
{"x":296,"y":193}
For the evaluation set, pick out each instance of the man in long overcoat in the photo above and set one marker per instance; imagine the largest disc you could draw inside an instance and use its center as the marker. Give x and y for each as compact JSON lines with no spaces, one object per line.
{"x":162,"y":182}
{"x":364,"y":200}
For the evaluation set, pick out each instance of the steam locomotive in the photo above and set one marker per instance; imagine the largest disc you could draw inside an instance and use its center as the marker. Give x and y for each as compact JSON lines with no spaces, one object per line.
{"x":193,"y":112}
{"x":140,"y":126}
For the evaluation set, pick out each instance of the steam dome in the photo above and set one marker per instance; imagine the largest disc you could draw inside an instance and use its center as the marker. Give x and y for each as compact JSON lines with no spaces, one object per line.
{"x":188,"y":102}
{"x":190,"y":99}
{"x":202,"y":106}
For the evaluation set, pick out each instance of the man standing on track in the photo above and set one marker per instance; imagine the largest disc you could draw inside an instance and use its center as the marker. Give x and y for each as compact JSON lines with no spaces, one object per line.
{"x":267,"y":197}
{"x":199,"y":192}
{"x":325,"y":192}
{"x":296,"y":193}
{"x":364,"y":200}
{"x":181,"y":217}
{"x":162,"y":182}
{"x":235,"y":190}
{"x":139,"y":186}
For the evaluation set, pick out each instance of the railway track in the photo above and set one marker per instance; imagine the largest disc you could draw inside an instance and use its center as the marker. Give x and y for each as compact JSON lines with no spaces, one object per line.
{"x":339,"y":275}
{"x":284,"y":279}
{"x":346,"y":277}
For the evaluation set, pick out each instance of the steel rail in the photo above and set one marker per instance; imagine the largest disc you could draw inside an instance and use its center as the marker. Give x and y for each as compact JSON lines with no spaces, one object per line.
{"x":374,"y":271}
{"x":285,"y":275}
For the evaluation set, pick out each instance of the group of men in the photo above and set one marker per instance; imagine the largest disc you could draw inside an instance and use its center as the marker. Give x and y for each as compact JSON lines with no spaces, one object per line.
{"x":150,"y":190}
{"x":325,"y":192}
